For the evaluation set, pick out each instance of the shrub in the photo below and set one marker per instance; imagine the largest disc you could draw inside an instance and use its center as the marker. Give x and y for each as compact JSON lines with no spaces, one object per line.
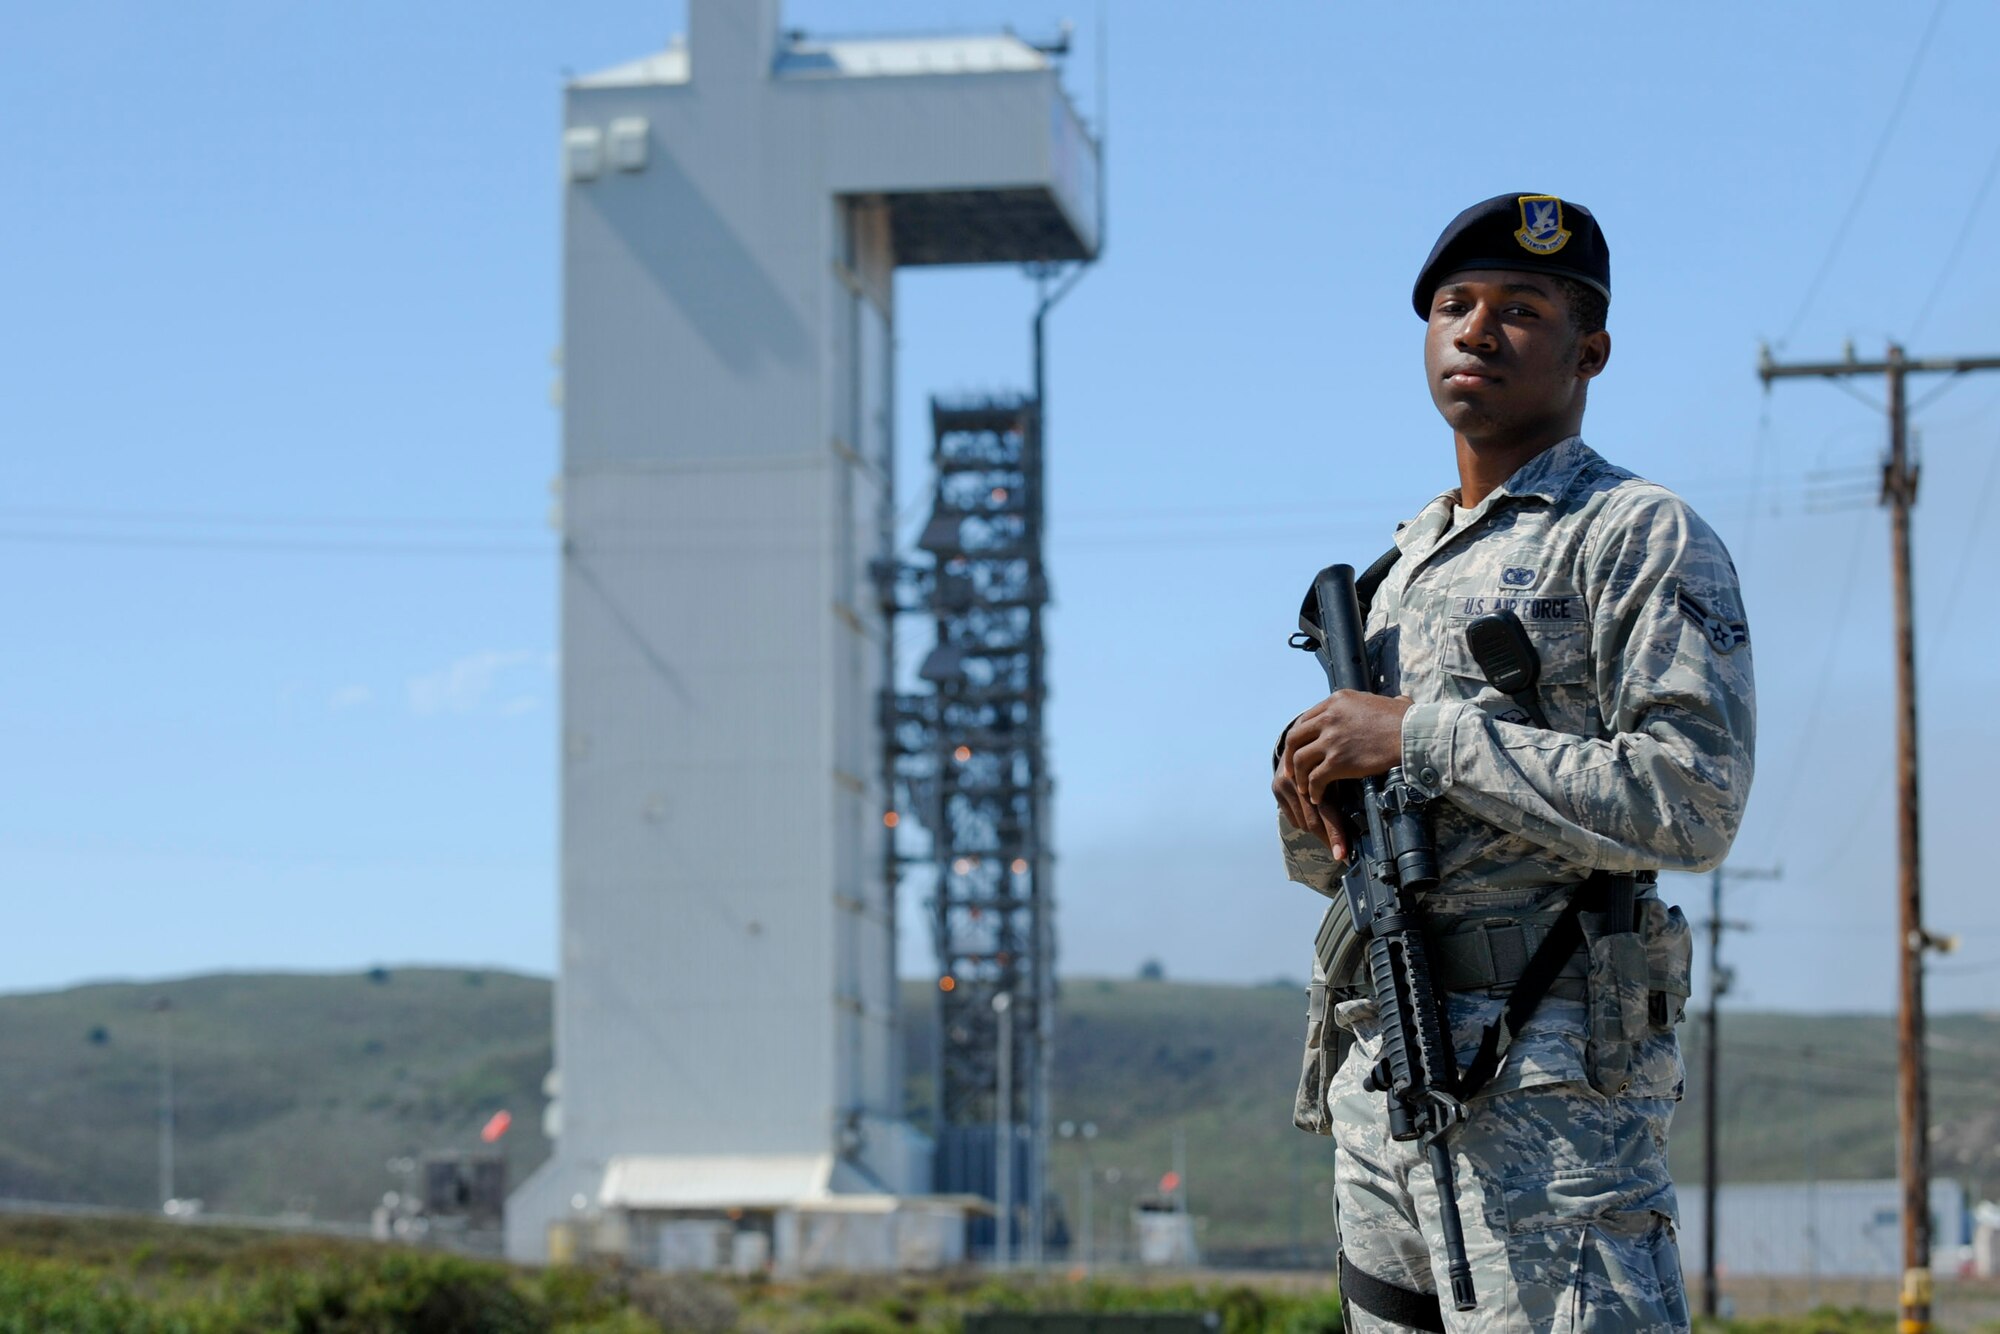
{"x":682,"y":1303}
{"x":1314,"y":1315}
{"x":37,"y":1295}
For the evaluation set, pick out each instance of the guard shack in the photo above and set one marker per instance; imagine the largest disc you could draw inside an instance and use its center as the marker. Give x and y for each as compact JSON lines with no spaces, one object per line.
{"x":735,"y":209}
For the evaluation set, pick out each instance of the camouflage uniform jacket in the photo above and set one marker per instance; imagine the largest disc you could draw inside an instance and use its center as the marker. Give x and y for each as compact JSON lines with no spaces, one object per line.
{"x":1633,"y":606}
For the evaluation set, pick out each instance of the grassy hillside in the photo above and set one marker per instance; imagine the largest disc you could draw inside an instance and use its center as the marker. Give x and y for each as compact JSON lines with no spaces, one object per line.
{"x":1801,"y":1095}
{"x":294,"y":1092}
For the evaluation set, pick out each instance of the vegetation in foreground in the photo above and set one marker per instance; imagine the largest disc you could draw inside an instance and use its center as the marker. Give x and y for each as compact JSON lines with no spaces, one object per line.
{"x":141,"y":1276}
{"x":138,"y":1276}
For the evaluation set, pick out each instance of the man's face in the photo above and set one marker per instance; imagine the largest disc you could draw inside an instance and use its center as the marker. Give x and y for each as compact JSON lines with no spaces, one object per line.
{"x":1503,"y":357}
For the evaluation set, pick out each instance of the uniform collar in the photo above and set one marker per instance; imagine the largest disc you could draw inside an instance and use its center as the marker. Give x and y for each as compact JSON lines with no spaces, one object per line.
{"x":1548,"y":476}
{"x":1550,"y":473}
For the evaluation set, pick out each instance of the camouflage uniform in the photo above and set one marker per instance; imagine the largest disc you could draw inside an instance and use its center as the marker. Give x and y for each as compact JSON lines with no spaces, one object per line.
{"x":1633,"y":606}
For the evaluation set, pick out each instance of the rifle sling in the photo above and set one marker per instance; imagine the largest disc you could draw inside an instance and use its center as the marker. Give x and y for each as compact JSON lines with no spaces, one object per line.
{"x":1364,"y":597}
{"x":1564,"y":939}
{"x":1372,"y":577}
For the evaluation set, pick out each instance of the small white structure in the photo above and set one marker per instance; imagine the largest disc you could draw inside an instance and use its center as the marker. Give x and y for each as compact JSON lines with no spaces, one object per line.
{"x":1165,"y":1234}
{"x":750,"y":1215}
{"x":735,"y":209}
{"x":1985,"y":1257}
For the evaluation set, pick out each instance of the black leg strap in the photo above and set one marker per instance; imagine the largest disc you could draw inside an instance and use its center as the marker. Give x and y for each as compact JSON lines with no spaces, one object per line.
{"x":1400,"y":1306}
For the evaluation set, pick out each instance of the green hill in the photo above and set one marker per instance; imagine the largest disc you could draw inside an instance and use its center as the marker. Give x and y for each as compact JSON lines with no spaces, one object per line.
{"x":292,"y":1092}
{"x":295,"y":1091}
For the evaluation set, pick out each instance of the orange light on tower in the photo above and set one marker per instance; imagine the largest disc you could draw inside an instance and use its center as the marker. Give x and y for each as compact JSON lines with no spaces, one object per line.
{"x":962,"y":754}
{"x":890,"y":819}
{"x":947,"y":983}
{"x":1020,"y":866}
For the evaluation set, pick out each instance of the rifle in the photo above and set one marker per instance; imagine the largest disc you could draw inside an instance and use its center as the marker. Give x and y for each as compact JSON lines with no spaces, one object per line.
{"x":1392,"y":865}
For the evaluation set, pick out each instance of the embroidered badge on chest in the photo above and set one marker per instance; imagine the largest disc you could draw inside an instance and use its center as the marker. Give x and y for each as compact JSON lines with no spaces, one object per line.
{"x":1724,"y":636}
{"x":1521,"y":568}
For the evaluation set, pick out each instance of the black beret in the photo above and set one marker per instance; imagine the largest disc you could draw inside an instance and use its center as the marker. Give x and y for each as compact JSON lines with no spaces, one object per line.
{"x":1533,"y":233}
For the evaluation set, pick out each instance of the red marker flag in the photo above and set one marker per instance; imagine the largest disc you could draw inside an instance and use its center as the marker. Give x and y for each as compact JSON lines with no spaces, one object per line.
{"x":496,"y":1126}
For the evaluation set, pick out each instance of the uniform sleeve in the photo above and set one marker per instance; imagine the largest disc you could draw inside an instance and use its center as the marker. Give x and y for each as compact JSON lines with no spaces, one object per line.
{"x":1307,"y":860}
{"x":1670,"y":655}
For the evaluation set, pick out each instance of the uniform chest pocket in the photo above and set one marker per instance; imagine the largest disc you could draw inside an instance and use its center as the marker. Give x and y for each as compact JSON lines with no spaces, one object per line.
{"x":1558,"y":626}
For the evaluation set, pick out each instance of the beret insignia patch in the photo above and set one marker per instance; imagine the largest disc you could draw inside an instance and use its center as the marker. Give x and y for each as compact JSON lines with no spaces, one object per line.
{"x":1724,"y":636}
{"x":1542,"y":224}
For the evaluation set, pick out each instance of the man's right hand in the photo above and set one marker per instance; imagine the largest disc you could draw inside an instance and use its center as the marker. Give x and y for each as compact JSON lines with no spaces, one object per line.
{"x":1349,"y":734}
{"x":1322,"y":822}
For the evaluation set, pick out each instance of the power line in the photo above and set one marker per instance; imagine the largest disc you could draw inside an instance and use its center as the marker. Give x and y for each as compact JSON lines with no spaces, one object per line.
{"x":205,"y":542}
{"x":1796,"y":773}
{"x":51,"y":527}
{"x":14,"y":514}
{"x":1368,"y":507}
{"x":208,"y":543}
{"x":1856,"y":821}
{"x":1758,"y":449}
{"x":1976,"y":966}
{"x":1868,"y":173}
{"x":1965,"y":549}
{"x":1958,"y":246}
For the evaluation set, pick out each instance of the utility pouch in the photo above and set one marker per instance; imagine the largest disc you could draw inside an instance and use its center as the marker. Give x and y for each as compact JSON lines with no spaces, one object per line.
{"x":1618,"y":1008}
{"x":1615,"y":984}
{"x":1640,"y":957}
{"x":1669,"y":962}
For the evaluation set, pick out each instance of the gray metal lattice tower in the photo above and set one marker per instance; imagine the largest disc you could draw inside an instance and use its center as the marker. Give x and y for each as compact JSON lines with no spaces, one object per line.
{"x":966,"y":758}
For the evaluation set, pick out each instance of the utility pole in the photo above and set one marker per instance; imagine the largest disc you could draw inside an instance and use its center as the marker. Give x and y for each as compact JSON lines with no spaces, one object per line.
{"x":1080,"y":1237}
{"x":1812,"y":1198}
{"x":1042,"y":1077}
{"x":1180,"y":1168}
{"x":1899,"y":493}
{"x":1089,"y":1176}
{"x":1003,"y":1136}
{"x":1719,"y":979}
{"x":164,"y":1007}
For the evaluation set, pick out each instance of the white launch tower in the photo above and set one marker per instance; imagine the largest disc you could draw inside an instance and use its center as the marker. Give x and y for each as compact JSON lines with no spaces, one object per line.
{"x":735,"y":208}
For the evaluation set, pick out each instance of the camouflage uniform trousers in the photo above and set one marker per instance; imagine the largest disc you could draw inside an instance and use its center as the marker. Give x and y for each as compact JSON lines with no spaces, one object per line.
{"x":1563,"y":1194}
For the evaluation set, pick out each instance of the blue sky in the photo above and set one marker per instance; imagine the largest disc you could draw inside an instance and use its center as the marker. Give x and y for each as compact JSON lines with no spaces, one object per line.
{"x":280,"y":298}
